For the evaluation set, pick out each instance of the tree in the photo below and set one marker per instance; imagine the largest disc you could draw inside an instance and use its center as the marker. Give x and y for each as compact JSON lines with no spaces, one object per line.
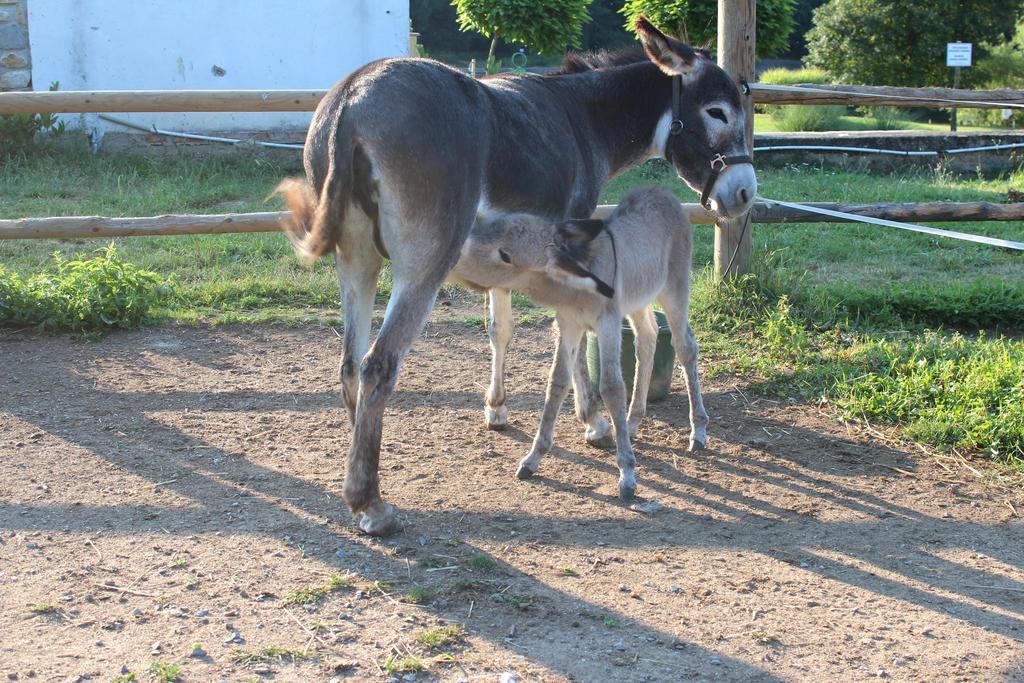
{"x":896,"y":42}
{"x":696,"y":21}
{"x":542,"y":25}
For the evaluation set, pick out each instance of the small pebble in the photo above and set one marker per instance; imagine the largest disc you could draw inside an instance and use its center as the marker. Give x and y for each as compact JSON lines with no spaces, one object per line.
{"x":715,"y":661}
{"x":124,"y":668}
{"x":197,"y":653}
{"x":409,"y":677}
{"x":202,"y":613}
{"x":508,"y":677}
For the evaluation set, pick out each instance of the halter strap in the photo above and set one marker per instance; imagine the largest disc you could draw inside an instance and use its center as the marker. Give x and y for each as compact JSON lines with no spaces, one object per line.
{"x":718,"y":161}
{"x":577,"y":268}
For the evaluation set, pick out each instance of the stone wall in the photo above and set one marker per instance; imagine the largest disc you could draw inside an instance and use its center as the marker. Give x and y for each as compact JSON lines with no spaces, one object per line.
{"x":15,"y":62}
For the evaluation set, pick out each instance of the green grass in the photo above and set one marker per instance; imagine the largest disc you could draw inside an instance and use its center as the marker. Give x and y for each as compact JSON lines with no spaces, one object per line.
{"x":766,"y":123}
{"x":43,"y":608}
{"x":164,"y":672}
{"x":441,"y":636}
{"x":482,"y":562}
{"x":314,"y":594}
{"x":270,"y":655}
{"x":860,"y":316}
{"x":406,"y":665}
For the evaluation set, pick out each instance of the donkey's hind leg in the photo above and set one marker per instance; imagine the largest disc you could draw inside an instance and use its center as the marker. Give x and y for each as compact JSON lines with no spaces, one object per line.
{"x":558,"y":386}
{"x":357,"y":273}
{"x":499,"y":331}
{"x":645,"y":334}
{"x":588,"y":408}
{"x":675,"y":301}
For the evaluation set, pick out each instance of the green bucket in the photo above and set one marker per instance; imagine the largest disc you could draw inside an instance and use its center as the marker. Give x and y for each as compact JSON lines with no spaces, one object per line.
{"x":664,"y":360}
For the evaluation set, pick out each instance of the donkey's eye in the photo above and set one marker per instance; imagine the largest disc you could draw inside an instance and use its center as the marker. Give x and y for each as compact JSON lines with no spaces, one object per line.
{"x":717,"y":113}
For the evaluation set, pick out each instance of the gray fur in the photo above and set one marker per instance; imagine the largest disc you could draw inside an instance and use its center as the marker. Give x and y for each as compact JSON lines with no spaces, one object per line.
{"x":403,"y":154}
{"x":649,"y":262}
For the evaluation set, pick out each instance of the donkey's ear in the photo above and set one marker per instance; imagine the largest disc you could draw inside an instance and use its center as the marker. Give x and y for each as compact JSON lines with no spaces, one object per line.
{"x":581,"y":229}
{"x":671,"y":56}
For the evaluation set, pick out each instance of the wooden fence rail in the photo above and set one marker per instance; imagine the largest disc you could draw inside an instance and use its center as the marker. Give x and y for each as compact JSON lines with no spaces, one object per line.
{"x":75,"y":102}
{"x":269,"y":221}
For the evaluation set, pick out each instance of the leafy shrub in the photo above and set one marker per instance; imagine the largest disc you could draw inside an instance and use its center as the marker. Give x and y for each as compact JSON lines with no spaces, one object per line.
{"x":889,"y":118}
{"x":794,"y":118}
{"x":1002,"y":67}
{"x":18,"y":131}
{"x":799,"y":117}
{"x":82,"y":295}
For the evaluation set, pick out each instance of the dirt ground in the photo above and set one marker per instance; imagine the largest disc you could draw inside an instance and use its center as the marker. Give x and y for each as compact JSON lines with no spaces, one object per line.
{"x":175,"y":487}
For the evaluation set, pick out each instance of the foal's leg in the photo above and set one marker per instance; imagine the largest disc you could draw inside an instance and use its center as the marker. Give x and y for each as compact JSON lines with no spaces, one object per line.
{"x":558,"y":386}
{"x":645,"y":336}
{"x":613,"y":391}
{"x":499,"y":330}
{"x":676,"y":302}
{"x":588,"y":408}
{"x":357,"y":273}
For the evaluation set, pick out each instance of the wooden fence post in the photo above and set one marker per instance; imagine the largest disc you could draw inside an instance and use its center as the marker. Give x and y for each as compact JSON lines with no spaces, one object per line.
{"x":736,"y":41}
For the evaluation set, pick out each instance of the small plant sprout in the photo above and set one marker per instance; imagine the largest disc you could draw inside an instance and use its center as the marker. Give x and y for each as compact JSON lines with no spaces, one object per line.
{"x":609,"y":622}
{"x":763,"y":638}
{"x":269,"y":655}
{"x":567,"y":570}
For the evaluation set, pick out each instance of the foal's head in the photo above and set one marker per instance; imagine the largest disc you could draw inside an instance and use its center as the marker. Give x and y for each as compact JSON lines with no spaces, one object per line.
{"x":703,"y":129}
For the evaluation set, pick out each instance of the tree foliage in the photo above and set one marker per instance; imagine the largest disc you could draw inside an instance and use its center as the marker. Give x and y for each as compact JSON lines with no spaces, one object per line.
{"x":895,"y":42}
{"x":543,"y":25}
{"x":696,"y":21}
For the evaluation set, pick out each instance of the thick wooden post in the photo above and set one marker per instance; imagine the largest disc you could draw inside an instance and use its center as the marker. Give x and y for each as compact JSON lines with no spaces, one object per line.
{"x":736,"y":40}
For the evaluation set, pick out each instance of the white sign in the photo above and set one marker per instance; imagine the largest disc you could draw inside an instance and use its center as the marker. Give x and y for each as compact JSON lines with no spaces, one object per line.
{"x":958,"y":54}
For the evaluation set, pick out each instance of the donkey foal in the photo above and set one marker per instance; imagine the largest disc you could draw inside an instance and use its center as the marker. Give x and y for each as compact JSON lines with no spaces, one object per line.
{"x":593,"y":273}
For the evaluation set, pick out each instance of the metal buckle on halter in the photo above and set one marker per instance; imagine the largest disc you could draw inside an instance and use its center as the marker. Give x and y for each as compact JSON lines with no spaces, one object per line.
{"x":676,"y":127}
{"x":719,"y":159}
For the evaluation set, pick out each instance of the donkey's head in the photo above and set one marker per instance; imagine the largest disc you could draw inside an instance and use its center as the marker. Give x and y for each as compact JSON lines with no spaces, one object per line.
{"x":502,"y":247}
{"x":702,"y":133}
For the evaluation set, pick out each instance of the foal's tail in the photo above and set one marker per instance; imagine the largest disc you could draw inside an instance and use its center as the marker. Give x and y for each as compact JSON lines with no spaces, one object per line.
{"x":314,"y":225}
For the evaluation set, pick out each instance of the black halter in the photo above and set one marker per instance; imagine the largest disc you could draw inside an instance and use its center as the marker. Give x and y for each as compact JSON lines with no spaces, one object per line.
{"x":718,"y":161}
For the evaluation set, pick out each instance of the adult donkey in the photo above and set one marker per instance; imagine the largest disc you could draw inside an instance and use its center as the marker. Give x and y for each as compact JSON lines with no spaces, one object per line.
{"x":403,"y":154}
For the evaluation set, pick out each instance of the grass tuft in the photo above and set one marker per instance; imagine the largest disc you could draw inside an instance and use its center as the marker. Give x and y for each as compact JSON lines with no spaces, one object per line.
{"x":270,"y":655}
{"x":314,"y":594}
{"x":441,"y":636}
{"x":406,"y":665}
{"x":482,"y":562}
{"x":164,"y":672}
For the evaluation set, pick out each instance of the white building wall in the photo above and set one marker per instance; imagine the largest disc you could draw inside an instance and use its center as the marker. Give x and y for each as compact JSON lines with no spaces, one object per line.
{"x":209,"y":44}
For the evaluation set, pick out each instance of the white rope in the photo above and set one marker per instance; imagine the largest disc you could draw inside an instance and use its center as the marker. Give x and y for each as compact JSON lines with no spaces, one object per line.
{"x":896,"y":152}
{"x":981,"y":239}
{"x":881,"y":96}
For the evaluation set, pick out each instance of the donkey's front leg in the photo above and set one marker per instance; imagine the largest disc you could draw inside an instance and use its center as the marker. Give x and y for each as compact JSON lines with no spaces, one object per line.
{"x":613,"y":391}
{"x":499,"y":331}
{"x":569,"y":335}
{"x":645,"y":335}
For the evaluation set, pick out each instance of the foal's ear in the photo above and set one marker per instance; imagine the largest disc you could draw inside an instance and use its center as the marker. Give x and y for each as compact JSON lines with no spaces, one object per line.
{"x":671,"y":56}
{"x":581,"y":229}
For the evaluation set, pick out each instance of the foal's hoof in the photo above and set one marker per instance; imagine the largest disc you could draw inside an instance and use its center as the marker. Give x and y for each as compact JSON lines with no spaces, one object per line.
{"x":599,"y":435}
{"x":523,"y":472}
{"x":496,"y":418}
{"x":696,"y":445}
{"x":379,"y":520}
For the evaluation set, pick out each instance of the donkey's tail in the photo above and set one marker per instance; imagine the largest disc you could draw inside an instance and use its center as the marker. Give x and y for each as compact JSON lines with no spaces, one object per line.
{"x":314,"y":225}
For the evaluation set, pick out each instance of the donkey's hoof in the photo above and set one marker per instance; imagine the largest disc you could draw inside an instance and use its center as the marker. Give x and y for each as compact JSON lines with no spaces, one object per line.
{"x":599,"y":435}
{"x":627,"y":490}
{"x":696,"y":445}
{"x":379,"y":520}
{"x":523,"y":472}
{"x":496,"y":418}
